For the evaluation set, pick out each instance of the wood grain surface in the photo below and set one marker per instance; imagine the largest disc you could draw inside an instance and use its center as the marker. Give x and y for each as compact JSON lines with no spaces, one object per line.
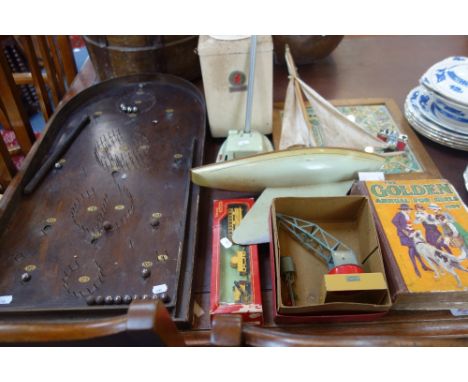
{"x":114,"y":216}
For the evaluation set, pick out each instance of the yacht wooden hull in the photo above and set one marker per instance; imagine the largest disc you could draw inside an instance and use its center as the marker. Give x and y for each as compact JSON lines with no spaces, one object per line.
{"x":290,"y":168}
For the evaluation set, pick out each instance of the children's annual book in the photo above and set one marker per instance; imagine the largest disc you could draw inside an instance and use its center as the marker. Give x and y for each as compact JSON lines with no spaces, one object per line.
{"x":423,"y":232}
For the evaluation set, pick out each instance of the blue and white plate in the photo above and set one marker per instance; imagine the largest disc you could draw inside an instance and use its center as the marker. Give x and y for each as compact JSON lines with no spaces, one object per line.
{"x":430,"y":129}
{"x":449,"y":79}
{"x":454,"y":105}
{"x":438,"y":111}
{"x":434,"y":135}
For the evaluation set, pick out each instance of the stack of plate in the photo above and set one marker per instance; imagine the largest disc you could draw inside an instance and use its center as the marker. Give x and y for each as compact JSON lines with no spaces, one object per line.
{"x":438,"y":108}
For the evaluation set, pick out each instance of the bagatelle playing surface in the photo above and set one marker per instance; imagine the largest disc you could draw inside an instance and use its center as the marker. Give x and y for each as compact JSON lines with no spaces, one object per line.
{"x":113,"y":219}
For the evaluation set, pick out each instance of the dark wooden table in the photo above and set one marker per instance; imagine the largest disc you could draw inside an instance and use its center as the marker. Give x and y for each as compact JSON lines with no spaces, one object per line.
{"x":361,"y":67}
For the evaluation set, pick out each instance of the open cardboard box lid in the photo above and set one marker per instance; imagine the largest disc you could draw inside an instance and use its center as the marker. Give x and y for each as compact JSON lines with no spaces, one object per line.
{"x":348,"y":219}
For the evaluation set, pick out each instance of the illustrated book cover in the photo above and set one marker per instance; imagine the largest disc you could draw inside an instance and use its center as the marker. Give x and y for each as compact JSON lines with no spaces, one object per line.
{"x":423,"y":231}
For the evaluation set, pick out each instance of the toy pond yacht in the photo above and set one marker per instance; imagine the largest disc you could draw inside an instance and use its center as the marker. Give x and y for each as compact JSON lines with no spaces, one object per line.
{"x":314,"y":169}
{"x":288,"y":168}
{"x":335,"y":130}
{"x":297,"y":173}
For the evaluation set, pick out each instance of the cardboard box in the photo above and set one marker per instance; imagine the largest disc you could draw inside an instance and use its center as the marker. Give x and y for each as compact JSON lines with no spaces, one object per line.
{"x":367,"y":288}
{"x":235,"y":277}
{"x":348,"y":219}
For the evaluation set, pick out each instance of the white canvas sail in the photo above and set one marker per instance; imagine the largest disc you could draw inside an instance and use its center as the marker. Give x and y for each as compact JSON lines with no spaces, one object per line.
{"x":295,"y":131}
{"x":335,"y":130}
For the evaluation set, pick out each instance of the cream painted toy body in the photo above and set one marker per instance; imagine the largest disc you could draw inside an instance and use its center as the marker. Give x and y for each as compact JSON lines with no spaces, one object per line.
{"x":290,"y":168}
{"x":292,"y":173}
{"x":224,"y":64}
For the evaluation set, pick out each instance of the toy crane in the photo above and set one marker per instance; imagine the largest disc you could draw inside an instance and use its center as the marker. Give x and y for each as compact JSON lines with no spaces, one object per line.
{"x":339,"y":258}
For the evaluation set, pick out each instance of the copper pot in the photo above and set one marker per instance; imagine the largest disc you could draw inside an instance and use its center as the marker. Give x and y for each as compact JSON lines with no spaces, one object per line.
{"x":114,"y":56}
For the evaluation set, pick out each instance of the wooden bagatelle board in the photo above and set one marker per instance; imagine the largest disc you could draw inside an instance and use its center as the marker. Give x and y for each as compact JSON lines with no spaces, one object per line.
{"x":122,"y":202}
{"x":375,"y":114}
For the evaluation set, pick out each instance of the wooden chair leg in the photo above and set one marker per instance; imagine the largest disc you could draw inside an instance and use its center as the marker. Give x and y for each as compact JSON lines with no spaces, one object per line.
{"x":5,"y":177}
{"x":69,"y":65}
{"x":7,"y":167}
{"x":13,"y":107}
{"x":39,"y":83}
{"x":10,"y":166}
{"x":57,"y":63}
{"x":4,"y":122}
{"x":49,"y":67}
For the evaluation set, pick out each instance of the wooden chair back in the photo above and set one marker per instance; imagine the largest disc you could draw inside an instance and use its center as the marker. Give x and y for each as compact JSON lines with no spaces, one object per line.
{"x":52,"y":69}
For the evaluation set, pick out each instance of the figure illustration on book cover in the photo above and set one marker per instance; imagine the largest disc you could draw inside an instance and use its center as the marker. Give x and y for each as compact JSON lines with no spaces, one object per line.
{"x":436,"y":243}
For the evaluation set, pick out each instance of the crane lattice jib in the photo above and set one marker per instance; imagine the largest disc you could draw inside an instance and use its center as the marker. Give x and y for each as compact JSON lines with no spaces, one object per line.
{"x":313,"y":238}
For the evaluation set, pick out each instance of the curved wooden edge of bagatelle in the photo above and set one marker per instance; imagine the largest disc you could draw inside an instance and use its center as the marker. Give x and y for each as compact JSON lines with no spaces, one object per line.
{"x":228,"y":330}
{"x":144,"y":319}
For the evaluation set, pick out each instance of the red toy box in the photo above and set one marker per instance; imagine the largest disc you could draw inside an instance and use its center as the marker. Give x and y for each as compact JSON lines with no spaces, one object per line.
{"x":235,"y":278}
